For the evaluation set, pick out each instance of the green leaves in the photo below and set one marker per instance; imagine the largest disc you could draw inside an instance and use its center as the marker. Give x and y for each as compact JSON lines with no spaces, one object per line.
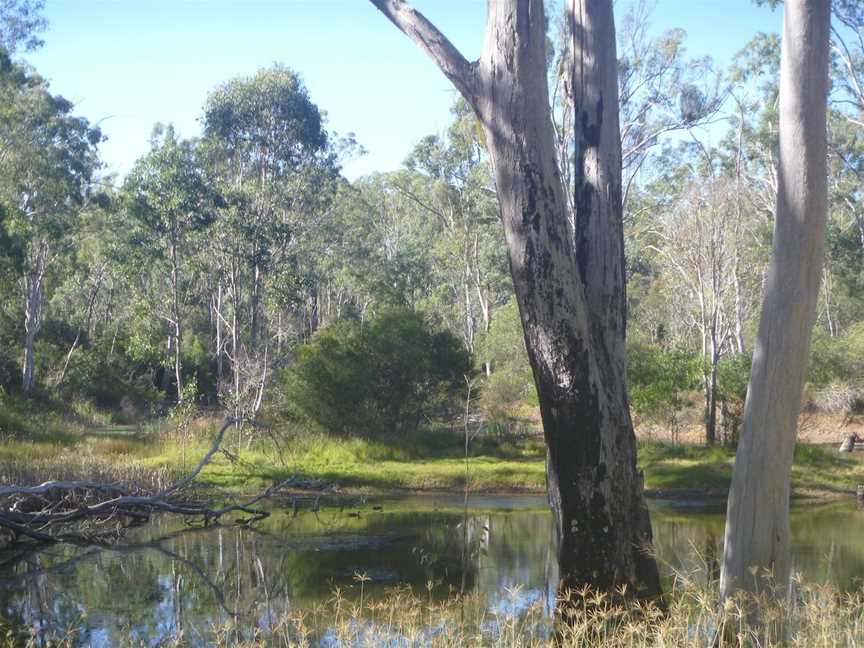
{"x":380,"y":378}
{"x":658,"y":378}
{"x":167,"y":193}
{"x":20,"y":22}
{"x":47,"y":155}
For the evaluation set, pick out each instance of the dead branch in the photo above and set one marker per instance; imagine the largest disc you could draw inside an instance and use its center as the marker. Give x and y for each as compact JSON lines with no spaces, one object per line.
{"x":32,"y":512}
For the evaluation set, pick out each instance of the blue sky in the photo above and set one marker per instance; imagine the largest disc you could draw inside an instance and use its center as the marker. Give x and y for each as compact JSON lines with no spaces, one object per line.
{"x":128,"y":64}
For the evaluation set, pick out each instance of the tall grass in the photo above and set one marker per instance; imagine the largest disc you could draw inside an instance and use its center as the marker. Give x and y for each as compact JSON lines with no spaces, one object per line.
{"x":816,"y":617}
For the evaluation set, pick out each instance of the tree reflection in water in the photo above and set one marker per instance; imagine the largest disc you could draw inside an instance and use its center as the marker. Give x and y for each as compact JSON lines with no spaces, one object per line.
{"x":168,"y":580}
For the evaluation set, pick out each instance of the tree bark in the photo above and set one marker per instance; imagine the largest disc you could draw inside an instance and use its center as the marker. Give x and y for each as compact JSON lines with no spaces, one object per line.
{"x":34,"y":301}
{"x":569,"y":284}
{"x":86,"y":325}
{"x":176,"y":316}
{"x":757,"y":521}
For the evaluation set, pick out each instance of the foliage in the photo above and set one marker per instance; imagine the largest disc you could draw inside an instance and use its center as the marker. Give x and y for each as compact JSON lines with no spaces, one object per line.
{"x":510,"y":382}
{"x":837,"y":365}
{"x":733,"y":376}
{"x":20,"y":22}
{"x":382,"y":377}
{"x":268,"y":244}
{"x":659,"y":381}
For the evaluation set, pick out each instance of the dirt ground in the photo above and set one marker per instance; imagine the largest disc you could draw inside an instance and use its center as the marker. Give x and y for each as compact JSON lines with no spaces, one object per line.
{"x":822,"y":428}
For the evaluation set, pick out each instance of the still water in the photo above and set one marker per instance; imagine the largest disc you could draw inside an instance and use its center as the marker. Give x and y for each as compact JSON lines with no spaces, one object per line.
{"x":168,"y":578}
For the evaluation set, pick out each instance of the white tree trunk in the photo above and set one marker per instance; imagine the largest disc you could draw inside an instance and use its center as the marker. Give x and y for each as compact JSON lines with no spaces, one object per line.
{"x":34,"y":301}
{"x":177,"y":321}
{"x":757,"y":522}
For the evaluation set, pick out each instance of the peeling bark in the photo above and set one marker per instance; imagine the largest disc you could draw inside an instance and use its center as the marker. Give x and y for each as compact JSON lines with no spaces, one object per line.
{"x":569,"y":283}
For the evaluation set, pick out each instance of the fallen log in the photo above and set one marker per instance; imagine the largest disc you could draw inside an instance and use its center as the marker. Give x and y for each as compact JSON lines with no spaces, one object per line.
{"x":44,"y":512}
{"x":849,"y":443}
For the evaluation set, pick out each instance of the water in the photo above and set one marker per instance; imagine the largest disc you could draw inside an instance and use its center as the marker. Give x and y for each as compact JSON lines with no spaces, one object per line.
{"x":166,"y":577}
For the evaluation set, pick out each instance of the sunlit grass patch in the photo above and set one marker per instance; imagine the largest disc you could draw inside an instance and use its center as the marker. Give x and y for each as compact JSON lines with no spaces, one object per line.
{"x":432,"y":459}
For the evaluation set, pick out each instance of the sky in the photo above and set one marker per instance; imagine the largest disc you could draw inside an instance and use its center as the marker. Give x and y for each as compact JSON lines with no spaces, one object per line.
{"x":128,"y":64}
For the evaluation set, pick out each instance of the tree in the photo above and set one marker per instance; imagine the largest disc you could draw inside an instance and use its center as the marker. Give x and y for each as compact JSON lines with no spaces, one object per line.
{"x":848,"y":44}
{"x":757,"y":521}
{"x":47,"y":161}
{"x":272,"y":160}
{"x":169,"y":201}
{"x":703,"y":240}
{"x":20,"y":21}
{"x":568,"y":277}
{"x":660,"y":91}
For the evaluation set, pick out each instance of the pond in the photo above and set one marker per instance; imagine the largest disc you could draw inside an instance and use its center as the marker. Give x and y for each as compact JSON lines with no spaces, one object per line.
{"x":167,"y":578}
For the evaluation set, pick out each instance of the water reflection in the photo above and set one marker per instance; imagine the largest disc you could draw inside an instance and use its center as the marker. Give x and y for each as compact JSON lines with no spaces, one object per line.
{"x":167,"y":580}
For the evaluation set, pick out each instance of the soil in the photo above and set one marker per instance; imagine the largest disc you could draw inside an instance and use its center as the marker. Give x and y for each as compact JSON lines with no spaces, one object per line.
{"x":818,"y":428}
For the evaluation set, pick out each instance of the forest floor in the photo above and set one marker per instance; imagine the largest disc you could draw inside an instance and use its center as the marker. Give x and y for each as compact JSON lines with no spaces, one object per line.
{"x":426,"y":461}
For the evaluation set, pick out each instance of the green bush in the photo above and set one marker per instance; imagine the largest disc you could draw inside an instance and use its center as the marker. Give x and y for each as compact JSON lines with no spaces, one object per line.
{"x":733,"y":376}
{"x":838,"y":359}
{"x":658,"y":381}
{"x":382,"y":377}
{"x":510,"y":382}
{"x":836,"y":378}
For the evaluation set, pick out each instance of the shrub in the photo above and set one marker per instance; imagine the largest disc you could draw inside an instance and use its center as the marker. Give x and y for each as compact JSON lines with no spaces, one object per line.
{"x":733,"y":376}
{"x":658,"y":380}
{"x":381,"y":377}
{"x":837,"y":370}
{"x":93,"y":376}
{"x":510,"y":382}
{"x":838,"y":396}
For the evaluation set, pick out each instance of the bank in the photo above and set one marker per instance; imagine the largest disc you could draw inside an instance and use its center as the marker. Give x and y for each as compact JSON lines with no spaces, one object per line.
{"x":433,"y":460}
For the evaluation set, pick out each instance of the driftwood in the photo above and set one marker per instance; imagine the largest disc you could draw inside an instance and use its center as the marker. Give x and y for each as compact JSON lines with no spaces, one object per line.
{"x":849,"y":443}
{"x":43,"y":513}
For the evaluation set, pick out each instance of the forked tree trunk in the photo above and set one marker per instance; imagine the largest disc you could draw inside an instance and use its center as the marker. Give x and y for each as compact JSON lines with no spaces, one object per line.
{"x":569,"y":285}
{"x":757,"y":521}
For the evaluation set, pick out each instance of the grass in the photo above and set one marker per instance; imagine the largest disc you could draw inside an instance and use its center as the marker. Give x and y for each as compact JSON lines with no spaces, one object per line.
{"x":37,"y":448}
{"x":816,"y":617}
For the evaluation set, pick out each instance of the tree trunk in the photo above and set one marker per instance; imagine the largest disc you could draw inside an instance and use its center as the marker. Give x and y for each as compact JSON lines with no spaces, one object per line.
{"x":711,"y":402}
{"x":217,"y":310}
{"x":254,"y":300}
{"x":85,"y":327}
{"x":569,"y":286}
{"x":34,"y":300}
{"x":757,"y":521}
{"x":175,"y":314}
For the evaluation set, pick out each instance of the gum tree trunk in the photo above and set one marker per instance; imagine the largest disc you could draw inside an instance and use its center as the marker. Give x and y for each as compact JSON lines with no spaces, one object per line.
{"x":34,"y":301}
{"x":757,"y":521}
{"x":569,"y":283}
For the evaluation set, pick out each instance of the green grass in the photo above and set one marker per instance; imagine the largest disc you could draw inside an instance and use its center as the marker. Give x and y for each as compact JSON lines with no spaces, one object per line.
{"x":425,"y":461}
{"x":430,"y":460}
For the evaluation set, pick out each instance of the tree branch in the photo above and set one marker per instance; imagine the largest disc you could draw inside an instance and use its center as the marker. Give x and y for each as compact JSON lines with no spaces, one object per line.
{"x":417,"y":27}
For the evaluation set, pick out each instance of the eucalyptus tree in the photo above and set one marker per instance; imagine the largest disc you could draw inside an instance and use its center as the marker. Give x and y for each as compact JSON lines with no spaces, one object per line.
{"x":660,"y":90}
{"x":756,"y":550}
{"x":170,"y":204}
{"x":841,"y":302}
{"x":848,"y":45}
{"x":568,"y":275}
{"x":47,"y":160}
{"x":86,"y":272}
{"x":20,"y":23}
{"x":703,"y":239}
{"x":271,"y":157}
{"x":449,"y":185}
